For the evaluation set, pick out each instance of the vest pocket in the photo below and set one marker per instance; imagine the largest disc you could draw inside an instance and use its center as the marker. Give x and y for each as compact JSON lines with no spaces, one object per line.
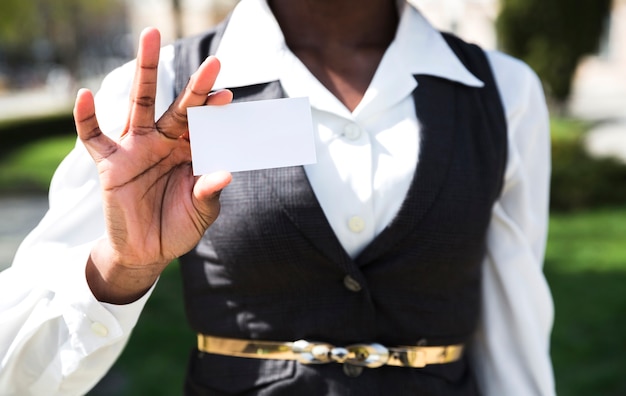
{"x":211,"y":375}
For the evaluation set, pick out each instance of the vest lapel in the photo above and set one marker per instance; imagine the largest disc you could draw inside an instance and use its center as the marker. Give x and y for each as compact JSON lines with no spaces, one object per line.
{"x":296,"y":198}
{"x":435,"y":108}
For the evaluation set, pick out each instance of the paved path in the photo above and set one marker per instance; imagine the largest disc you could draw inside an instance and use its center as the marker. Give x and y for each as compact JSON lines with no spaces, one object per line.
{"x":34,"y":103}
{"x":18,"y":215}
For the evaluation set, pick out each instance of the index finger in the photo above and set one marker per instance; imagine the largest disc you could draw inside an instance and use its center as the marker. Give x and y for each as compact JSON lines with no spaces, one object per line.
{"x":143,"y":93}
{"x":173,"y":123}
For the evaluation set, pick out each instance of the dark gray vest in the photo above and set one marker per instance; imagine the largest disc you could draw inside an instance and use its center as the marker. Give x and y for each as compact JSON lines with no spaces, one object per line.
{"x":271,"y":268}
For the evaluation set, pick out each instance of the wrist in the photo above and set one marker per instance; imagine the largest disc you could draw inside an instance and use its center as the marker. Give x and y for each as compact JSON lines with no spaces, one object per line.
{"x":113,"y":282}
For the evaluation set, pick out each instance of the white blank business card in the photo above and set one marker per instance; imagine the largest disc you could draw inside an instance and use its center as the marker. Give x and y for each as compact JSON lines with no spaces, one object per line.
{"x":251,"y":135}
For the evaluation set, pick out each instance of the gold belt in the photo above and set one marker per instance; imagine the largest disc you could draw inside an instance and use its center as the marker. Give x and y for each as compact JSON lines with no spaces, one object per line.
{"x":309,"y":352}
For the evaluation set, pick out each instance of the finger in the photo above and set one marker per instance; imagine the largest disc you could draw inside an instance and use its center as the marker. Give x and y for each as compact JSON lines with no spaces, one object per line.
{"x":207,"y":186}
{"x":200,"y":83}
{"x":98,"y":144}
{"x":206,"y":193}
{"x":174,"y":122}
{"x":219,"y":98}
{"x":141,"y":117}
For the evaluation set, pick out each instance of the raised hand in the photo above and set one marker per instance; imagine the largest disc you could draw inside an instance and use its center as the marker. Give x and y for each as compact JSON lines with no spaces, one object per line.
{"x":155,"y":209}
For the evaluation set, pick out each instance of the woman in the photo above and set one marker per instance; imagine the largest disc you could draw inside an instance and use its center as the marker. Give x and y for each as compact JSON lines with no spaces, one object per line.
{"x":418,"y":236}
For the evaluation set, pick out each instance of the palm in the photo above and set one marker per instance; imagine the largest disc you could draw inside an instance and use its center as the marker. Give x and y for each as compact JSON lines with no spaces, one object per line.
{"x":147,"y":190}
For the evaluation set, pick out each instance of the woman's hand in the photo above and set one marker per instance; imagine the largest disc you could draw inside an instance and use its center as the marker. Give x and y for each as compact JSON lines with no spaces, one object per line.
{"x":155,"y":209}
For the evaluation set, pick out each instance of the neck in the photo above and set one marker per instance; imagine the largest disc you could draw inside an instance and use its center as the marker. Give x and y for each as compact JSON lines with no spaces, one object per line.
{"x":351,"y":23}
{"x":341,"y":42}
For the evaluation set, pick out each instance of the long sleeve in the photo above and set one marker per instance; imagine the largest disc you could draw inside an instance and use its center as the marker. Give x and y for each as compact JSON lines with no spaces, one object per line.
{"x":511,"y":349}
{"x":55,"y":337}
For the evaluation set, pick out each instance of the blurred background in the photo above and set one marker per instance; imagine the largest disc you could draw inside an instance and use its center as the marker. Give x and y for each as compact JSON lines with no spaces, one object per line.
{"x":50,"y":48}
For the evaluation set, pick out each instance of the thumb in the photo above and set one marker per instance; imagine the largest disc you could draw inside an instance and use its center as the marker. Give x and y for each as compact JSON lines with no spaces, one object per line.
{"x":207,"y":190}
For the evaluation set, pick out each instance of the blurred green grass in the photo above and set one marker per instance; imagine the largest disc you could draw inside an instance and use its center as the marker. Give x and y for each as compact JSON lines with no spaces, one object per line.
{"x":567,"y":129}
{"x":30,"y":151}
{"x":585,"y":267}
{"x":29,"y":167}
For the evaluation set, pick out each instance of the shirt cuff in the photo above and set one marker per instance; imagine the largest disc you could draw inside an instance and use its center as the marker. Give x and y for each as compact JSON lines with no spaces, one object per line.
{"x":91,"y":323}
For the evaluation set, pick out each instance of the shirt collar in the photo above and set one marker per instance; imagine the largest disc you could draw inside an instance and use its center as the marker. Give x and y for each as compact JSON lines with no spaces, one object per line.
{"x":256,"y":58}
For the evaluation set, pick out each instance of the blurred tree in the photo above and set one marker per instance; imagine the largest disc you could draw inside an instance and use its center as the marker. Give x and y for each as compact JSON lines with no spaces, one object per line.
{"x":53,"y":31}
{"x":552,"y":36}
{"x":14,"y":16}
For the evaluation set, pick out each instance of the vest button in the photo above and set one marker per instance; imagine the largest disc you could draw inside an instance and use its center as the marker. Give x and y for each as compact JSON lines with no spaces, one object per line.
{"x":351,"y":370}
{"x":351,"y":284}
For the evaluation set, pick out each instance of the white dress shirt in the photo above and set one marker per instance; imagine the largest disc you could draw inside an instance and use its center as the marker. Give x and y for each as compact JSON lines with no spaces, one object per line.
{"x":57,"y":339}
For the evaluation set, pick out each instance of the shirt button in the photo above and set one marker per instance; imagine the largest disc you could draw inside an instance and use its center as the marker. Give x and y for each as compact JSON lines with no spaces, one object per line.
{"x":352,"y":131}
{"x":99,"y":329}
{"x":351,"y":284}
{"x":356,"y":224}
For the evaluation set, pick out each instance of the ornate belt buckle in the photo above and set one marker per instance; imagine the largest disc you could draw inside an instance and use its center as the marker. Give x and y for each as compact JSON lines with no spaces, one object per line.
{"x":309,"y":352}
{"x":362,"y":355}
